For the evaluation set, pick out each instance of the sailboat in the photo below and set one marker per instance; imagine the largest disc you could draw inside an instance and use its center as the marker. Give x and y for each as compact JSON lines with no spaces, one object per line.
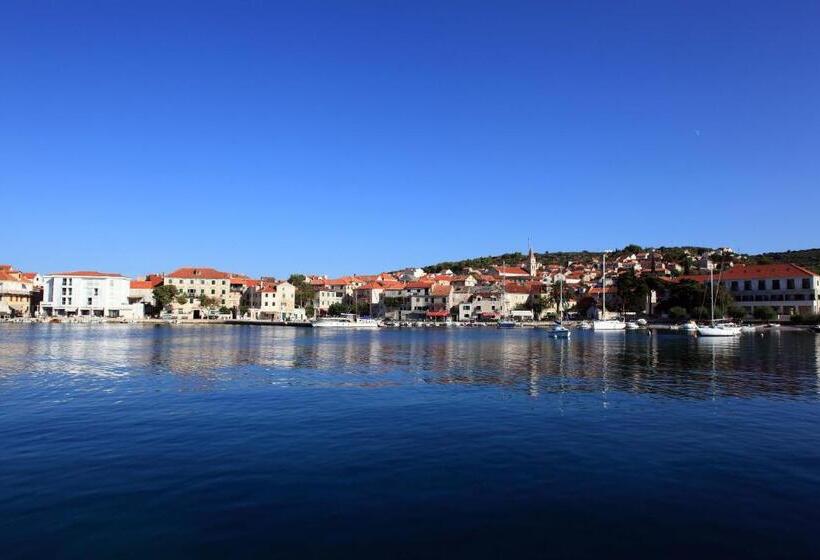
{"x":505,"y":322}
{"x":558,"y":330}
{"x":715,"y":328}
{"x":606,"y":324}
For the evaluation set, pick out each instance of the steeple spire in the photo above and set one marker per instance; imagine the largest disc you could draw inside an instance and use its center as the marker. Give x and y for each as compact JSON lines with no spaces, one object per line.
{"x":532,"y":265}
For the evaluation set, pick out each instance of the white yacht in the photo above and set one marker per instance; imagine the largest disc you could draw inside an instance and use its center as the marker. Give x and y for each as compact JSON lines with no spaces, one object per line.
{"x":346,"y":321}
{"x":716,"y":328}
{"x":606,"y":324}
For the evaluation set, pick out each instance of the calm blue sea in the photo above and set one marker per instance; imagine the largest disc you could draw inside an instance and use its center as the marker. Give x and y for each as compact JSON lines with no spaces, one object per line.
{"x":224,"y":441}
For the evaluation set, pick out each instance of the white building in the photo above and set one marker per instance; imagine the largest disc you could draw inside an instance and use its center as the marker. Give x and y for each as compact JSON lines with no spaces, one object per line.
{"x":275,"y":301}
{"x":88,"y":294}
{"x":479,"y":307}
{"x":789,"y":289}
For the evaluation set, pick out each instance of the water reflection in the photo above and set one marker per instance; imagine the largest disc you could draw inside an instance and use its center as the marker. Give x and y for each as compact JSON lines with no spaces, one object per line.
{"x":774,"y":364}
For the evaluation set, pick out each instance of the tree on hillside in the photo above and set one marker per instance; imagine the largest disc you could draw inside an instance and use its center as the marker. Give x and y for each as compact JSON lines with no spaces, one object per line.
{"x":632,"y":290}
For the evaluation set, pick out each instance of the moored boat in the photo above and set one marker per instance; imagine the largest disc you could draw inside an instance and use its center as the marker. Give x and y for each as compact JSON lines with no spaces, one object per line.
{"x":690,"y":326}
{"x":606,"y":324}
{"x":557,"y":331}
{"x":346,"y":321}
{"x":717,"y":328}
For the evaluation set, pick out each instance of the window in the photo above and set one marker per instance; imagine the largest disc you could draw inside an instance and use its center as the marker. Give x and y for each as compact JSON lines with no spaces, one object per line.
{"x":761,"y":284}
{"x":775,"y":284}
{"x":213,"y":292}
{"x":89,"y":301}
{"x":96,"y":291}
{"x":747,"y":285}
{"x":806,"y":283}
{"x":790,"y":284}
{"x":734,"y":285}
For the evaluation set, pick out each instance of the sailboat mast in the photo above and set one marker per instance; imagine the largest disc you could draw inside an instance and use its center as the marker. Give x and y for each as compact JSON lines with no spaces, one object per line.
{"x":712,"y":290}
{"x":561,"y":301}
{"x":603,"y":287}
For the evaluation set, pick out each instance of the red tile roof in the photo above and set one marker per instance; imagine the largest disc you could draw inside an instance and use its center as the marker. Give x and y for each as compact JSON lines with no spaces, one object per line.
{"x":514,"y":288}
{"x":245,"y":281}
{"x":440,"y":290}
{"x":195,"y":272}
{"x":141,"y":285}
{"x":421,"y":284}
{"x":754,"y":272}
{"x":596,"y":290}
{"x":7,"y":276}
{"x":511,"y":271}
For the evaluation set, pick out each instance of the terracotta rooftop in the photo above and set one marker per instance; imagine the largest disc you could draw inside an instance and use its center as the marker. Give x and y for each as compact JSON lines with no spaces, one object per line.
{"x":755,"y":271}
{"x":195,"y":272}
{"x":511,"y":271}
{"x":420,"y":284}
{"x":440,"y":290}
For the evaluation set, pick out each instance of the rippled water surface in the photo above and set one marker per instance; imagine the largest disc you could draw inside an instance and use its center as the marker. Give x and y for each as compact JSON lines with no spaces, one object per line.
{"x":227,"y":441}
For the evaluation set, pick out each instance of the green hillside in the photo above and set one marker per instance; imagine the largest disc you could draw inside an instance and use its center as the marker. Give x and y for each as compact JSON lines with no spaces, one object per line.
{"x":809,"y":258}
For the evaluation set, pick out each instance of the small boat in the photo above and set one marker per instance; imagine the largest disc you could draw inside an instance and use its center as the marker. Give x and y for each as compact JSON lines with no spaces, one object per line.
{"x":585,"y":325}
{"x":748,"y":329}
{"x":690,"y":326}
{"x":816,"y":328}
{"x":346,"y":321}
{"x":773,"y":325}
{"x":506,"y":324}
{"x":641,"y":322}
{"x":608,"y":325}
{"x":557,"y":331}
{"x":632,"y":325}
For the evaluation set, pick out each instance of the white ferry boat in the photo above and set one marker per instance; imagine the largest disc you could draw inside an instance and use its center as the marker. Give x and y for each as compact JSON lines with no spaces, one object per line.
{"x":346,"y":321}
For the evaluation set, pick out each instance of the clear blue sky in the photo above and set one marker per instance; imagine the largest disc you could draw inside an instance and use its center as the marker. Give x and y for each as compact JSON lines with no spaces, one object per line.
{"x":341,"y":137}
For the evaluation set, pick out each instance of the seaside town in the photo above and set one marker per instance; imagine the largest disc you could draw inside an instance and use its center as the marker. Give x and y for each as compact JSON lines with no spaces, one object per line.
{"x":631,"y":283}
